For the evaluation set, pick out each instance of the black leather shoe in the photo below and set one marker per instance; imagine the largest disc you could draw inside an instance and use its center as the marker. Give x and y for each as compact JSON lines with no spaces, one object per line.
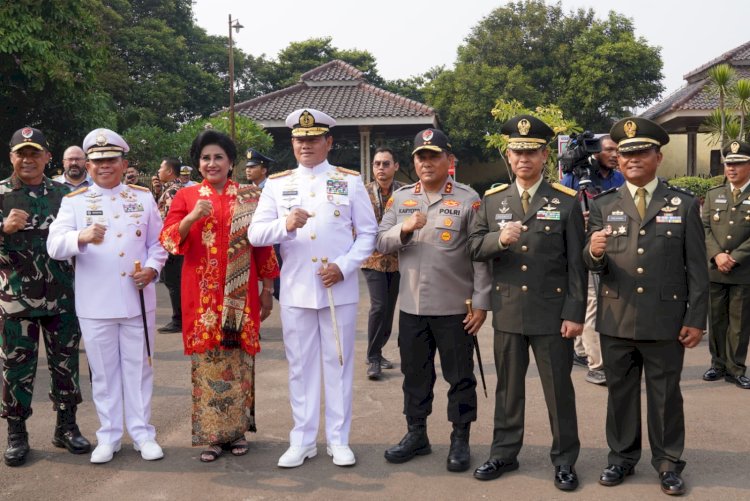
{"x":566,"y":478}
{"x":672,"y":483}
{"x":67,"y":435}
{"x":18,"y":443}
{"x":374,"y":371}
{"x":614,"y":474}
{"x":740,"y":381}
{"x":583,"y":361}
{"x":493,"y":468}
{"x":414,"y":443}
{"x":459,"y":455}
{"x":713,"y":374}
{"x":170,"y":327}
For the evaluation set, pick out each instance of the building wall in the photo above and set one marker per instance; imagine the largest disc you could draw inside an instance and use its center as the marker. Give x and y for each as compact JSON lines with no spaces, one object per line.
{"x":675,"y":156}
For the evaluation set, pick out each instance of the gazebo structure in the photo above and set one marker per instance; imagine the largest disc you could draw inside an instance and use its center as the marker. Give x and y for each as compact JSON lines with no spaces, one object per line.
{"x":685,"y":110}
{"x":363,"y":112}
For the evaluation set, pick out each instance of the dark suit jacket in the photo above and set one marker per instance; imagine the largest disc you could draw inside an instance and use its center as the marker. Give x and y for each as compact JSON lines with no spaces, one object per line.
{"x":731,"y":233}
{"x":654,"y":277}
{"x":546,"y":261}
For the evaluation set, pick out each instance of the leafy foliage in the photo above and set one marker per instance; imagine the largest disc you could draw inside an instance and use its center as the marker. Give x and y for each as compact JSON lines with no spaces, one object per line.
{"x":698,"y":185}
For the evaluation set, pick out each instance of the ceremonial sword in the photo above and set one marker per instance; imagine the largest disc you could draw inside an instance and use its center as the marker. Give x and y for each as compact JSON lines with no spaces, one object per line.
{"x":332,"y":307}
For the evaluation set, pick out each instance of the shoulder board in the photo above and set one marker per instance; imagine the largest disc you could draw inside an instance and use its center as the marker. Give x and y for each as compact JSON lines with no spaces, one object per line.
{"x":77,"y":192}
{"x":720,"y":187}
{"x":280,"y":174}
{"x":137,"y":187}
{"x":564,"y":189}
{"x":347,"y":171}
{"x":496,"y":189}
{"x":605,"y":192}
{"x":405,"y":187}
{"x":681,"y":190}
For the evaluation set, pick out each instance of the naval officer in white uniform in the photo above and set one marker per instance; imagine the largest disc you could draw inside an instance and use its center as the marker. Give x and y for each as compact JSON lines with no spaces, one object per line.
{"x":314,"y":212}
{"x":106,"y":228}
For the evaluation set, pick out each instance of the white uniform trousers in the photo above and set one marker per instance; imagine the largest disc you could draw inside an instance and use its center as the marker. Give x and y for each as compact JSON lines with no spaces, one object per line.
{"x":308,"y":338}
{"x":116,"y":350}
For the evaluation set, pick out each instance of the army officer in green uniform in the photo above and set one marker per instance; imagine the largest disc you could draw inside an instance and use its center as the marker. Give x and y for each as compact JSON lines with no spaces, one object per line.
{"x":647,"y":242}
{"x":532,"y":233}
{"x":726,"y":219}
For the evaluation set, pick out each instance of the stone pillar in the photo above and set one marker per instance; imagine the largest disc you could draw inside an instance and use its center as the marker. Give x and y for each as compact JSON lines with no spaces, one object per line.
{"x":692,"y":150}
{"x":364,"y":152}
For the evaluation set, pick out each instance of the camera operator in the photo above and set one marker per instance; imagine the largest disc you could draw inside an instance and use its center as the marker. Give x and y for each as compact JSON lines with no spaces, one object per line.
{"x":603,"y":175}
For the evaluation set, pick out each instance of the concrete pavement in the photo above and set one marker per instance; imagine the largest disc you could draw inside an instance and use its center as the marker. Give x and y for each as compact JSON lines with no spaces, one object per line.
{"x":717,"y":447}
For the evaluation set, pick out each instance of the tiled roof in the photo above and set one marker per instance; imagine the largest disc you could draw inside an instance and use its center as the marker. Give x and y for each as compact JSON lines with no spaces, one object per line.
{"x":736,"y":55}
{"x":333,"y":70}
{"x":353,"y":98}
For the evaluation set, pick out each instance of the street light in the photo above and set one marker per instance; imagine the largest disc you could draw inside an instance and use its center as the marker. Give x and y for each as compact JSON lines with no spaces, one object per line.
{"x":237,"y":27}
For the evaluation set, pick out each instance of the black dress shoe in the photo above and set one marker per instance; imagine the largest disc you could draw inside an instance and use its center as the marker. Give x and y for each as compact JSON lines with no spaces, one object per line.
{"x":614,"y":474}
{"x":493,"y":468}
{"x":713,"y":374}
{"x":740,"y":381}
{"x":414,"y":443}
{"x":385,"y":363}
{"x":374,"y":371}
{"x":672,"y":483}
{"x":566,"y":478}
{"x":583,"y":361}
{"x":67,"y":435}
{"x":170,"y":327}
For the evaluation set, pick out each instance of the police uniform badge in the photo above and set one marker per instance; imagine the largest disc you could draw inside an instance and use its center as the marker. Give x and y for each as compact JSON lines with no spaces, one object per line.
{"x":734,"y":147}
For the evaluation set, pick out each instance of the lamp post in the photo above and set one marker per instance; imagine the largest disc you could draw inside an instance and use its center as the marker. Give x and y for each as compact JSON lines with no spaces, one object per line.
{"x":237,"y":26}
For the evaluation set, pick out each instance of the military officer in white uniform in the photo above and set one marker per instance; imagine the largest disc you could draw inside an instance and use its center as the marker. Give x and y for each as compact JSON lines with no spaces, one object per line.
{"x":314,"y":212}
{"x":106,"y":228}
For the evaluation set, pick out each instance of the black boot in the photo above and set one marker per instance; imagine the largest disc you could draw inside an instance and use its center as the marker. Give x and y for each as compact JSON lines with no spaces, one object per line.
{"x":459,"y":454}
{"x":414,"y":443}
{"x":18,"y":443}
{"x":67,"y":435}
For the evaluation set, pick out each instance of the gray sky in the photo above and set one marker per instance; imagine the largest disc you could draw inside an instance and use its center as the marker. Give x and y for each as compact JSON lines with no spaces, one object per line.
{"x":408,"y":37}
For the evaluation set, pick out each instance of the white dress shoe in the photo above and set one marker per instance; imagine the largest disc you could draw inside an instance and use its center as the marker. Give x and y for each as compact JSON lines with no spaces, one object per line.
{"x":295,"y":455}
{"x":149,"y":450}
{"x":104,"y":452}
{"x":342,"y":455}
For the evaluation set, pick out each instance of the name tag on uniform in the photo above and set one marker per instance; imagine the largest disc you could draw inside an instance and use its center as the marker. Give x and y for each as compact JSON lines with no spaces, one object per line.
{"x":617,"y":217}
{"x":669,"y":219}
{"x":548,"y":215}
{"x":289,"y":193}
{"x":336,"y":187}
{"x":94,"y":213}
{"x":720,"y":201}
{"x":132,"y":207}
{"x":507,"y":216}
{"x":746,"y":202}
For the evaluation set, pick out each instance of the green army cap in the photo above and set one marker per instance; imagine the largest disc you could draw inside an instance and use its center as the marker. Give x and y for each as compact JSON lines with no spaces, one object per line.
{"x":526,"y":132}
{"x":736,"y":152}
{"x":636,"y":133}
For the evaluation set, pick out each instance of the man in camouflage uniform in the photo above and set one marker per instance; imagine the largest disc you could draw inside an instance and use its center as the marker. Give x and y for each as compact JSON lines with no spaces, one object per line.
{"x":36,"y":297}
{"x":169,"y":172}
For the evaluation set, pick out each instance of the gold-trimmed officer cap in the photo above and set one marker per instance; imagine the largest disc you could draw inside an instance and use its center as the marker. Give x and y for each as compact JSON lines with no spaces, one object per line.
{"x":309,"y":122}
{"x":185,"y":170}
{"x":28,"y":136}
{"x":104,"y":143}
{"x":736,"y":152}
{"x":431,"y":139}
{"x":636,"y":133}
{"x":526,"y":132}
{"x":256,"y":158}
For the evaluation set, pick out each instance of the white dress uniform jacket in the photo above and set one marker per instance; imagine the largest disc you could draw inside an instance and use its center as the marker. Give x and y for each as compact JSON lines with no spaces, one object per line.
{"x":342,"y":228}
{"x":104,"y":288}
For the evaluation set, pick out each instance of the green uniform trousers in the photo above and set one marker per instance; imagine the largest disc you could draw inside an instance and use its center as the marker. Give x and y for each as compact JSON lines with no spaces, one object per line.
{"x":730,"y":327}
{"x":20,"y":350}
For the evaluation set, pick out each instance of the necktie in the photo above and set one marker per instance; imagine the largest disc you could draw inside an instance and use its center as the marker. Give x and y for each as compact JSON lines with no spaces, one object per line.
{"x":736,"y":194}
{"x":525,"y":201}
{"x":641,"y":205}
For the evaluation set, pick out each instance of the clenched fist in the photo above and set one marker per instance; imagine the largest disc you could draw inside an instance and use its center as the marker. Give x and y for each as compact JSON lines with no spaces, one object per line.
{"x":598,"y":245}
{"x":414,"y":222}
{"x":202,"y":209}
{"x":94,"y":234}
{"x":296,"y":219}
{"x":511,"y":233}
{"x":15,"y":221}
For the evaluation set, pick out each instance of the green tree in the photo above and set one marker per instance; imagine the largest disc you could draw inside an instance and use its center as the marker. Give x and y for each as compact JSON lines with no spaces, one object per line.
{"x":535,"y":53}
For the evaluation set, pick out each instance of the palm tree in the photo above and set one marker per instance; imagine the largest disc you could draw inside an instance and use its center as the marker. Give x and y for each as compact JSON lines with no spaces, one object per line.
{"x":721,"y":77}
{"x":741,"y":98}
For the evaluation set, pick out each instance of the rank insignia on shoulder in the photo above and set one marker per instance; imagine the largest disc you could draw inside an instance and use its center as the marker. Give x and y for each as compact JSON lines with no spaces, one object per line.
{"x":280,"y":174}
{"x":564,"y":189}
{"x":137,"y":187}
{"x":77,"y":192}
{"x":347,"y":171}
{"x":681,"y":190}
{"x":496,"y":189}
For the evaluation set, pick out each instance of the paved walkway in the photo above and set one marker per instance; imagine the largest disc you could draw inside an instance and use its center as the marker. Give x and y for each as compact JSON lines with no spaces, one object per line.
{"x":717,"y":449}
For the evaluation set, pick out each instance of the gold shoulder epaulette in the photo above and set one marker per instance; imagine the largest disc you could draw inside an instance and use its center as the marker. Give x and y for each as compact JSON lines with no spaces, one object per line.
{"x":347,"y":171}
{"x":138,"y":187}
{"x":77,"y":192}
{"x":280,"y":174}
{"x":496,"y":189}
{"x":565,"y":189}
